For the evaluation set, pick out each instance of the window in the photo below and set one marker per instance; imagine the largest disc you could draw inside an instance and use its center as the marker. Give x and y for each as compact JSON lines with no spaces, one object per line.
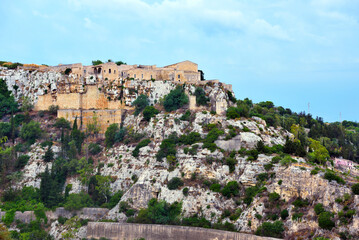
{"x":179,"y":76}
{"x":109,"y":71}
{"x":142,"y":76}
{"x":114,"y":71}
{"x":151,"y":77}
{"x":121,"y":74}
{"x":104,"y":71}
{"x":134,"y":76}
{"x":85,"y":71}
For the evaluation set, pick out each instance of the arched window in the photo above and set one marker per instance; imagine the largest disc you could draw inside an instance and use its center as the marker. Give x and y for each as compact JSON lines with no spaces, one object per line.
{"x":109,"y":70}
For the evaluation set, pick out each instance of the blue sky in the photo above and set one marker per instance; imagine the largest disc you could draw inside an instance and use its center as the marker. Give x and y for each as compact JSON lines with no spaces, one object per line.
{"x":289,"y":52}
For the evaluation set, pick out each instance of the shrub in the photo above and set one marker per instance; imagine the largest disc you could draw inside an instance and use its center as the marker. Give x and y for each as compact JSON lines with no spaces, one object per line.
{"x":195,"y":221}
{"x":318,"y":208}
{"x":215,"y":187}
{"x":274,"y":197}
{"x":269,"y":229}
{"x":78,"y":201}
{"x":211,"y":137}
{"x":262,"y":177}
{"x":94,"y":148}
{"x":300,"y":203}
{"x":231,"y":189}
{"x":325,"y":220}
{"x":332,"y":177}
{"x":268,"y":166}
{"x":159,"y":212}
{"x":149,"y":112}
{"x":62,"y":123}
{"x":174,"y":183}
{"x":231,"y":162}
{"x":275,"y":159}
{"x":167,"y":148}
{"x":142,"y":144}
{"x":140,"y":104}
{"x":284,"y":214}
{"x":201,"y":98}
{"x":21,"y":161}
{"x":53,"y":109}
{"x":185,"y":191}
{"x":31,"y":131}
{"x":355,"y":189}
{"x":175,"y":99}
{"x":110,"y":134}
{"x":186,"y":116}
{"x":297,"y":216}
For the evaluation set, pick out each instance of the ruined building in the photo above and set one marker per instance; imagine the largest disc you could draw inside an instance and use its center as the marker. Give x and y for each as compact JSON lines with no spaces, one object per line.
{"x":107,"y":90}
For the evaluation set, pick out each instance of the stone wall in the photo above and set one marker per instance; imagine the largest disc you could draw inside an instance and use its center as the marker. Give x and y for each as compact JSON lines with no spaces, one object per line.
{"x":119,"y":231}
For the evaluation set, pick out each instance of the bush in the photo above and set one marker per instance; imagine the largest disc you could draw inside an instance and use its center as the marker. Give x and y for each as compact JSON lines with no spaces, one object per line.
{"x":268,"y":166}
{"x":78,"y":201}
{"x":53,"y":109}
{"x":325,"y":220}
{"x":142,"y":144}
{"x":140,"y":103}
{"x":167,"y":148}
{"x":185,"y":191}
{"x":175,"y":99}
{"x":215,"y":187}
{"x":62,"y":123}
{"x":274,"y":197}
{"x":110,"y":135}
{"x":49,"y":155}
{"x":300,"y":203}
{"x":191,"y":138}
{"x":231,"y":162}
{"x":160,"y":212}
{"x":355,"y":189}
{"x":31,"y":131}
{"x":195,"y":221}
{"x":174,"y":183}
{"x":149,"y":112}
{"x":332,"y":177}
{"x":318,"y":208}
{"x":21,"y":161}
{"x":269,"y":229}
{"x":231,"y":189}
{"x":186,"y":116}
{"x":201,"y":99}
{"x":284,"y":214}
{"x":94,"y":148}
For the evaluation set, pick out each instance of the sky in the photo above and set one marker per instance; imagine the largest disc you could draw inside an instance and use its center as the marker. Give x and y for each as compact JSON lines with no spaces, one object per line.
{"x":294,"y":53}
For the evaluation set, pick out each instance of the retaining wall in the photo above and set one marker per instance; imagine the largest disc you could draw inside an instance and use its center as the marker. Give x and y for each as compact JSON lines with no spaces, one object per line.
{"x":122,"y":231}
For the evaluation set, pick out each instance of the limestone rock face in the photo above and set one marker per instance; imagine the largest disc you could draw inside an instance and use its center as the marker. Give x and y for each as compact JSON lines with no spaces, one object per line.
{"x":243,"y":140}
{"x":298,"y":182}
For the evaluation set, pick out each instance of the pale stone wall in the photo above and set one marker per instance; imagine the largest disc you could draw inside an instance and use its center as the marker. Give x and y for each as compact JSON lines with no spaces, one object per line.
{"x":69,"y":100}
{"x":104,"y":117}
{"x":44,"y":102}
{"x":119,"y":231}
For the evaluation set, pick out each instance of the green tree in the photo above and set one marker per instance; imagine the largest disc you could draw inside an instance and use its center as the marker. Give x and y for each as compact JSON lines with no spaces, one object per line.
{"x":49,"y":155}
{"x":77,"y":201}
{"x":31,"y":131}
{"x":355,"y":189}
{"x":103,"y":186}
{"x":149,"y":112}
{"x":96,"y":62}
{"x":140,"y":103}
{"x":325,"y":220}
{"x":93,"y":127}
{"x":175,"y":99}
{"x":201,"y":98}
{"x":320,"y":153}
{"x":110,"y":135}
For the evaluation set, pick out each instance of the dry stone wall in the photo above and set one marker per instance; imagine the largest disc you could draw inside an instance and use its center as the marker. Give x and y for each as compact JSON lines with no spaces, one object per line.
{"x":119,"y":231}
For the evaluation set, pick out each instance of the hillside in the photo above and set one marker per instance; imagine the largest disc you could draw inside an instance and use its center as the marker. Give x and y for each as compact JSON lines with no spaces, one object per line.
{"x":173,"y":158}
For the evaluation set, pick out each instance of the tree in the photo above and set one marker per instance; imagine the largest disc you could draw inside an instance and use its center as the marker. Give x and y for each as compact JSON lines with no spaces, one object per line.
{"x":103,"y":186}
{"x":110,"y":134}
{"x":355,"y":189}
{"x":140,"y":103}
{"x":201,"y":98}
{"x":96,"y":62}
{"x":120,"y":63}
{"x":149,"y":112}
{"x":325,"y":220}
{"x":93,"y":127}
{"x":31,"y":131}
{"x":175,"y":99}
{"x":320,"y":153}
{"x":49,"y":155}
{"x":174,"y":183}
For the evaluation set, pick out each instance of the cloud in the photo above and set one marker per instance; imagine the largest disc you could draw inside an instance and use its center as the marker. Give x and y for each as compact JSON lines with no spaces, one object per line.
{"x":88,"y":23}
{"x":262,"y":27}
{"x":340,"y":17}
